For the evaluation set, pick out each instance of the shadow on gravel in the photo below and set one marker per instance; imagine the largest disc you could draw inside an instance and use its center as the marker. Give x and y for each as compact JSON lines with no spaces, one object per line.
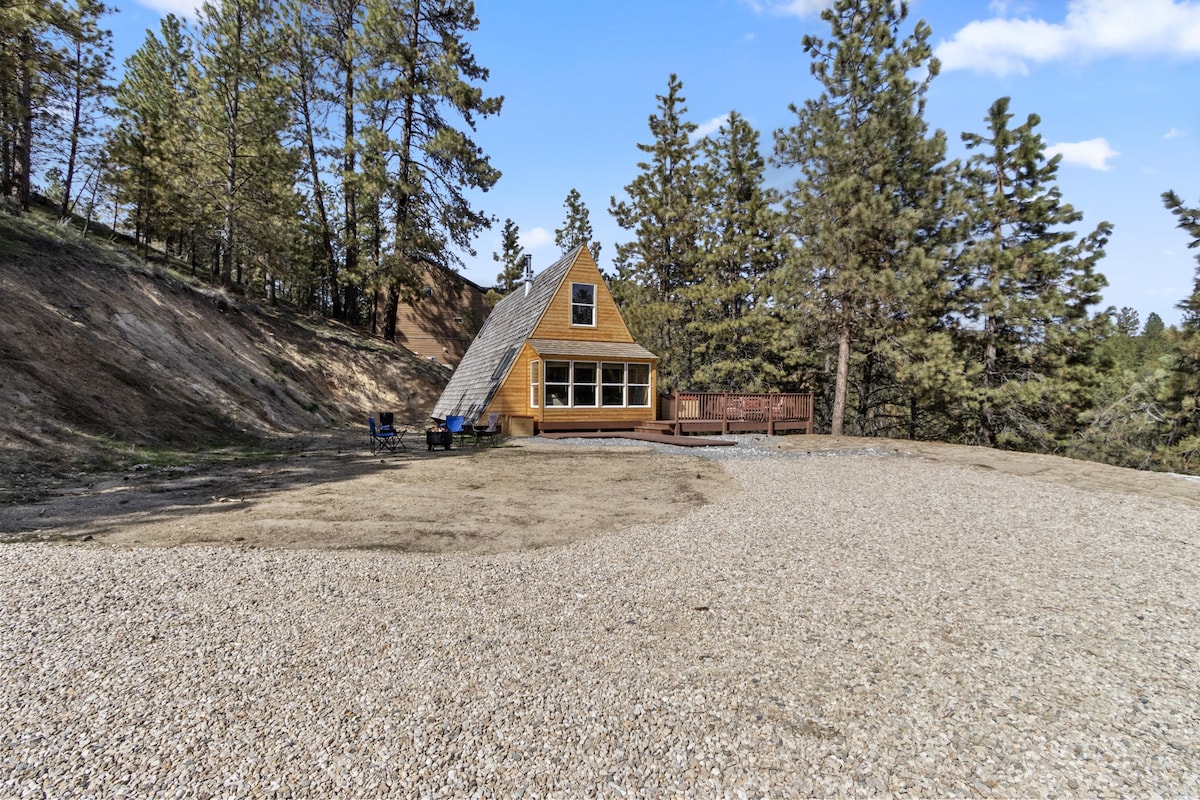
{"x":96,"y":505}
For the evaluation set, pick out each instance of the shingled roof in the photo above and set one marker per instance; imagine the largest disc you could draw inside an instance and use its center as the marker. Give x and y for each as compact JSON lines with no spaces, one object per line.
{"x":494,"y":350}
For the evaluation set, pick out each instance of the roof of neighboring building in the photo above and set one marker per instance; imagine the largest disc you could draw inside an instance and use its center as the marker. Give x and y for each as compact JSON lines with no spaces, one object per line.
{"x":491,"y":355}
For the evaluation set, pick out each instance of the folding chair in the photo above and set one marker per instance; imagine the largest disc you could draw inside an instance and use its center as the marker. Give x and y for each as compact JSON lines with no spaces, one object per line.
{"x":457,"y":427}
{"x":385,"y":439}
{"x":488,"y":433}
{"x":388,"y":425}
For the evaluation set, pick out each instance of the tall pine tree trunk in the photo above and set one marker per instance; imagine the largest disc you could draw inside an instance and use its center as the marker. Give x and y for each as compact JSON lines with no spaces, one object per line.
{"x":987,"y":431}
{"x":841,"y":380}
{"x":64,"y":207}
{"x":331,"y":269}
{"x":228,"y":225}
{"x":349,"y":191}
{"x":23,"y":142}
{"x":404,"y":203}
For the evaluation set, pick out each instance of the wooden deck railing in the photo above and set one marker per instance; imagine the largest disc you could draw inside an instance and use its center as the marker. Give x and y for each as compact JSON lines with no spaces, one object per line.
{"x":736,"y":412}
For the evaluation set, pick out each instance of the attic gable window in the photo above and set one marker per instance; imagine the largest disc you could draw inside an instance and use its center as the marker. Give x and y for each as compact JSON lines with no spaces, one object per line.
{"x":583,"y":304}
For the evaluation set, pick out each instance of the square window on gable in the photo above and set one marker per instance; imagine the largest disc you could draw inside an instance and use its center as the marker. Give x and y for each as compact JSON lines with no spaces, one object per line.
{"x":583,"y":304}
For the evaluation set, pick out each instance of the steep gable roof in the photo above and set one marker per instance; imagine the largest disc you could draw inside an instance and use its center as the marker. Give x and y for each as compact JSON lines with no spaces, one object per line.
{"x":495,"y":348}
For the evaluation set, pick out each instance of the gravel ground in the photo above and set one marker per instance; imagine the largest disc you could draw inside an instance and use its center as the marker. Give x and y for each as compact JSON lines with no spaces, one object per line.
{"x":843,"y":626}
{"x":746,"y":445}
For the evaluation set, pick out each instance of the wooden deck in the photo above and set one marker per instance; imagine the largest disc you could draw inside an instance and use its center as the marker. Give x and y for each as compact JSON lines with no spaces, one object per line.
{"x":736,"y":412}
{"x":699,"y":412}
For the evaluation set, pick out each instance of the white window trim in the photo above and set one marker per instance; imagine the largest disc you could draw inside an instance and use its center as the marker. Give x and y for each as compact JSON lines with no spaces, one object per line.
{"x":591,"y":305}
{"x":569,"y":386}
{"x":595,"y":386}
{"x":535,"y":383}
{"x":624,"y":384}
{"x":646,"y":385}
{"x":566,"y":387}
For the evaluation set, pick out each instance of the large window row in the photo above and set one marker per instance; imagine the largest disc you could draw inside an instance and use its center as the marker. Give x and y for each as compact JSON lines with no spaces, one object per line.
{"x":589,"y":384}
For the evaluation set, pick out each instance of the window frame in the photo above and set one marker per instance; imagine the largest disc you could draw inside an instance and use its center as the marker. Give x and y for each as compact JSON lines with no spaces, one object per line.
{"x":590,"y":305}
{"x":623,"y":385}
{"x":535,"y":383}
{"x":569,"y":389}
{"x":629,"y":384}
{"x":576,"y":384}
{"x":547,"y":383}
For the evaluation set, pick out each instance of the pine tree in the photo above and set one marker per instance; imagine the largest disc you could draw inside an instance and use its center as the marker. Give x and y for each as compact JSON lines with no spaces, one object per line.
{"x":152,"y":146}
{"x":510,"y":258}
{"x":84,"y":88}
{"x":424,"y":96}
{"x":1181,"y":394}
{"x":868,"y":211}
{"x":1152,"y":344}
{"x":577,"y":227}
{"x":741,"y":246}
{"x":241,"y":122}
{"x":1026,"y":287}
{"x":31,"y":62}
{"x":656,"y":267}
{"x":321,"y":61}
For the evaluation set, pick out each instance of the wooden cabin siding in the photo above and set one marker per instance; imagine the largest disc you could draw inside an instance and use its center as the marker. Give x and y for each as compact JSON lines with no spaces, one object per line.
{"x":556,"y":321}
{"x":600,"y":414}
{"x":440,"y":326}
{"x":512,"y":398}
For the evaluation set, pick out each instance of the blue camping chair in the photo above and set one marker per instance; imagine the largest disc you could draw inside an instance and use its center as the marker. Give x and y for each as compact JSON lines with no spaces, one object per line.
{"x":385,"y":438}
{"x":457,"y":427}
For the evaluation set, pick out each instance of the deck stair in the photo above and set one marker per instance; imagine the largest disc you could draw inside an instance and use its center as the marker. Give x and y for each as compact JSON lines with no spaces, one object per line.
{"x":664,"y":428}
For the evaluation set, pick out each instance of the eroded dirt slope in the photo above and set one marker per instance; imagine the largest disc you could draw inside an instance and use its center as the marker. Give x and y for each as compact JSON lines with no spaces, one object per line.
{"x":102,"y":355}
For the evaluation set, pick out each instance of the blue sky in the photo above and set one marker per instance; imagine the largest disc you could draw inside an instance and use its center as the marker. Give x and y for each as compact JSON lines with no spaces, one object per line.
{"x":1114,"y":82}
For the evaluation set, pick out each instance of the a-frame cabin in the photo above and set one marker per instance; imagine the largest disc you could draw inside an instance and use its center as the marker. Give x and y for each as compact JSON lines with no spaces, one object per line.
{"x":555,"y":354}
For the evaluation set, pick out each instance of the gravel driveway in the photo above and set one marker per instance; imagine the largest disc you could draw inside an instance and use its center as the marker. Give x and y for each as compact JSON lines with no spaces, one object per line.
{"x":843,"y":626}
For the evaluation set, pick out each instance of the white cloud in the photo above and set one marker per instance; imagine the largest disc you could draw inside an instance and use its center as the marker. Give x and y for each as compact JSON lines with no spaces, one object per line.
{"x":798,"y":8}
{"x":1093,"y":154}
{"x":1174,"y":133}
{"x":180,"y":8}
{"x":1092,"y":29}
{"x":536,"y":237}
{"x":1002,"y":8}
{"x":712,"y":126}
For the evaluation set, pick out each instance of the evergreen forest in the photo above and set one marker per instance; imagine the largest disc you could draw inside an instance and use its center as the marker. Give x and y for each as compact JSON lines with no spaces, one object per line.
{"x":322,"y":153}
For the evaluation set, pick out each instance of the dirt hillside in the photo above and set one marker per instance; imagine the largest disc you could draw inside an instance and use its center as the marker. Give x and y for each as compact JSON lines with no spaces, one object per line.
{"x":107,"y":361}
